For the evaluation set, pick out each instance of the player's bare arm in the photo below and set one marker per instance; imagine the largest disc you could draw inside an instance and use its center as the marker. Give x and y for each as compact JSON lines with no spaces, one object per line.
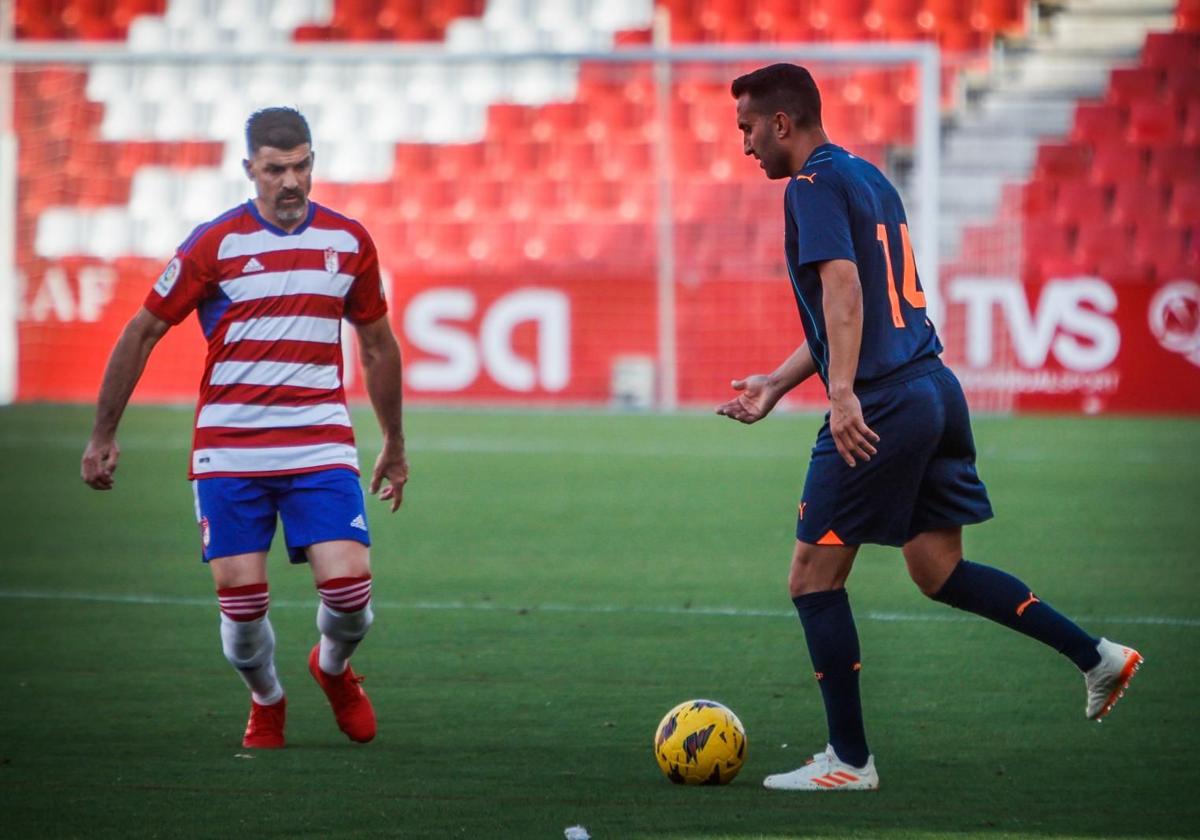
{"x":382,"y":370}
{"x":759,"y":393}
{"x":842,"y":302}
{"x":122,"y":373}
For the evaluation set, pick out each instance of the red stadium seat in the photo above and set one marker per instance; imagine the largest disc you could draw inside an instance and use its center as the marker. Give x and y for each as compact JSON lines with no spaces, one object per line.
{"x":1168,"y":163}
{"x":1107,"y":252}
{"x":592,"y":198}
{"x":1187,"y":16}
{"x":459,"y":161}
{"x":998,"y":15}
{"x":1046,"y":248}
{"x":1078,"y":202}
{"x":558,"y":121}
{"x":1062,"y":161}
{"x":1154,"y":123}
{"x":1184,"y":209}
{"x":631,"y":157}
{"x":1127,"y":85}
{"x":1095,"y":122}
{"x":1182,"y":83}
{"x":1161,"y":246}
{"x":567,"y":160}
{"x":1191,"y":124}
{"x":507,"y":121}
{"x":1171,"y":49}
{"x":1114,"y":160}
{"x":1136,"y":200}
{"x":1034,"y":200}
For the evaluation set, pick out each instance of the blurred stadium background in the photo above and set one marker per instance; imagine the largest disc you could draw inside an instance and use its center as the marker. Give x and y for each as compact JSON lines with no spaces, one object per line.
{"x":559,"y":196}
{"x":566,"y":220}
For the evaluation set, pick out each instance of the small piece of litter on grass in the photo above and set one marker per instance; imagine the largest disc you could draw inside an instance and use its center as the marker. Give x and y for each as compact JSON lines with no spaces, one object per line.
{"x":576,"y":832}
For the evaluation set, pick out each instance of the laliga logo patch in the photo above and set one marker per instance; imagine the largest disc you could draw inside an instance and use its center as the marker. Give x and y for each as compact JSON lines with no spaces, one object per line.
{"x":1175,"y":319}
{"x":205,"y":534}
{"x":331,"y":261}
{"x":166,"y":280}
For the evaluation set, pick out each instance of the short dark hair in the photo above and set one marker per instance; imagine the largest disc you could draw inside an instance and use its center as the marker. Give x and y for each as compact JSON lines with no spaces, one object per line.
{"x":789,"y":88}
{"x":279,"y":128}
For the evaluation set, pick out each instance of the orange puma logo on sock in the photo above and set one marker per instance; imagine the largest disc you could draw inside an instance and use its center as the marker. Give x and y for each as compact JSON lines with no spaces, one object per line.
{"x":1029,"y":602}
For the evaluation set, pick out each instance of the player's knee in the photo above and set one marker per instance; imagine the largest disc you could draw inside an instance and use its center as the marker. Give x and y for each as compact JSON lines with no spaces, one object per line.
{"x":818,"y":569}
{"x":345,"y":626}
{"x":928,"y":586}
{"x":929,"y":571}
{"x":345,"y":613}
{"x":247,"y":644}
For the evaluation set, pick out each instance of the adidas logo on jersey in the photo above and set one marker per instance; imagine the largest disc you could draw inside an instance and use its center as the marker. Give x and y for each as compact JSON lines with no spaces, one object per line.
{"x":358,"y":522}
{"x":252,"y":265}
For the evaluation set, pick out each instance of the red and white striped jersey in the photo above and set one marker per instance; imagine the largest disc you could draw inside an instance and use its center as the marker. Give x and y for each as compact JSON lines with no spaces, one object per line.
{"x":270,"y":304}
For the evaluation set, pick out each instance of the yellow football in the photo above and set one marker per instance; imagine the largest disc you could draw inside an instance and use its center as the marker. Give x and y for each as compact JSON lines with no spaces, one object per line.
{"x":700,"y":742}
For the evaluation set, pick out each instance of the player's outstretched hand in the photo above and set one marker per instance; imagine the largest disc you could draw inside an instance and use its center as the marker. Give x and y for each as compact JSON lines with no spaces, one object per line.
{"x":99,"y":463}
{"x":754,"y":401}
{"x":393,"y":466}
{"x":851,"y":434}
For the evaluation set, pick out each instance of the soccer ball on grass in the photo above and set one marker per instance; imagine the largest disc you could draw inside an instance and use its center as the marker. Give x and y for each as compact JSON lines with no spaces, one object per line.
{"x":700,"y":742}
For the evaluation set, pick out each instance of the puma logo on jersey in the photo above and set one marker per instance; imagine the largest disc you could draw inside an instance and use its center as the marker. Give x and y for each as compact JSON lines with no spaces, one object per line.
{"x":808,"y":178}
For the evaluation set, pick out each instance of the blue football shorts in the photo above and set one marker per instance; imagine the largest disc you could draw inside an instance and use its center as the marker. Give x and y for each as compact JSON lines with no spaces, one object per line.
{"x":922,"y":477}
{"x":238,"y":515}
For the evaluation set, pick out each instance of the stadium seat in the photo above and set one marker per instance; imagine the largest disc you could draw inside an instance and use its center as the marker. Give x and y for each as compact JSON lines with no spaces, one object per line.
{"x":1107,"y":251}
{"x":1127,"y":85}
{"x":1169,"y":162}
{"x":1191,"y":124}
{"x":1171,"y":49}
{"x":1187,"y":16}
{"x":1134,"y":200}
{"x":1184,"y":207}
{"x":1095,"y":122}
{"x":1062,"y":161}
{"x":1153,"y":123}
{"x":1162,"y":247}
{"x":1046,"y":247}
{"x":1078,"y":202}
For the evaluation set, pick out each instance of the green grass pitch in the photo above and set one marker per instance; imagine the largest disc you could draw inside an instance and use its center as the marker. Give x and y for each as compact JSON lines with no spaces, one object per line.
{"x":553,"y":584}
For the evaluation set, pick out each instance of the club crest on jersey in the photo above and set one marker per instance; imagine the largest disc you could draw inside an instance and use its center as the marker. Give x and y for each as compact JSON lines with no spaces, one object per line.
{"x":166,"y":280}
{"x":205,"y":533}
{"x":331,"y":260}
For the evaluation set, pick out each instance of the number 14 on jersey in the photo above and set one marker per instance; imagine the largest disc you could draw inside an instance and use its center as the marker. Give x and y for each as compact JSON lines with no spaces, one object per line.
{"x":911,"y":288}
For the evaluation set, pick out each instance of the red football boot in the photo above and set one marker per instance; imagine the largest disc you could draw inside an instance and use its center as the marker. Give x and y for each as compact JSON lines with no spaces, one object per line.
{"x":264,"y":730}
{"x":351,"y":707}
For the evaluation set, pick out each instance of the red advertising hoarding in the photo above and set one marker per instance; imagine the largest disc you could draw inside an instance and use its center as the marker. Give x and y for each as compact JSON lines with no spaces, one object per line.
{"x":1078,"y":344}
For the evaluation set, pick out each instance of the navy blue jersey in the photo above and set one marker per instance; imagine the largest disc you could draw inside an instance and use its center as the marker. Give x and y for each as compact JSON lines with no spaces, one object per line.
{"x":841,"y":207}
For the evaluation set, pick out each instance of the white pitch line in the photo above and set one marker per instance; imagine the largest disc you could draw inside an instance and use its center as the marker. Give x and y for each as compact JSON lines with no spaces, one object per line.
{"x":576,"y":609}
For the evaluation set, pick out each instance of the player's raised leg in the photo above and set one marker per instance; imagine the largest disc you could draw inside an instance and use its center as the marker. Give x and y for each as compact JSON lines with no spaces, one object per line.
{"x":936,"y":564}
{"x":248,"y":641}
{"x":817,"y":585}
{"x":341,"y":569}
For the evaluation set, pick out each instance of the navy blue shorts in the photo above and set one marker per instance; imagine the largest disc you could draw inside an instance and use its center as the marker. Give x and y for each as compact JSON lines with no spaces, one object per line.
{"x":921,"y":479}
{"x":238,"y":515}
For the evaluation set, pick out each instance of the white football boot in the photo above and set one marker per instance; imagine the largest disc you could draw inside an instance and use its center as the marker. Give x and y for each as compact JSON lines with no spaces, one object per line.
{"x":1106,"y":681}
{"x":825,"y":771}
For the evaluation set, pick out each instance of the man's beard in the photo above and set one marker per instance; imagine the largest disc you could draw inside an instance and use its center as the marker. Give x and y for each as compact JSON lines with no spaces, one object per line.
{"x":291,"y":212}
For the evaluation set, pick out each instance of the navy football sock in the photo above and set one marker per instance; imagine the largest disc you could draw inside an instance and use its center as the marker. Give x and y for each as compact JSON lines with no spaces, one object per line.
{"x":833,"y":646}
{"x":1004,"y":599}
